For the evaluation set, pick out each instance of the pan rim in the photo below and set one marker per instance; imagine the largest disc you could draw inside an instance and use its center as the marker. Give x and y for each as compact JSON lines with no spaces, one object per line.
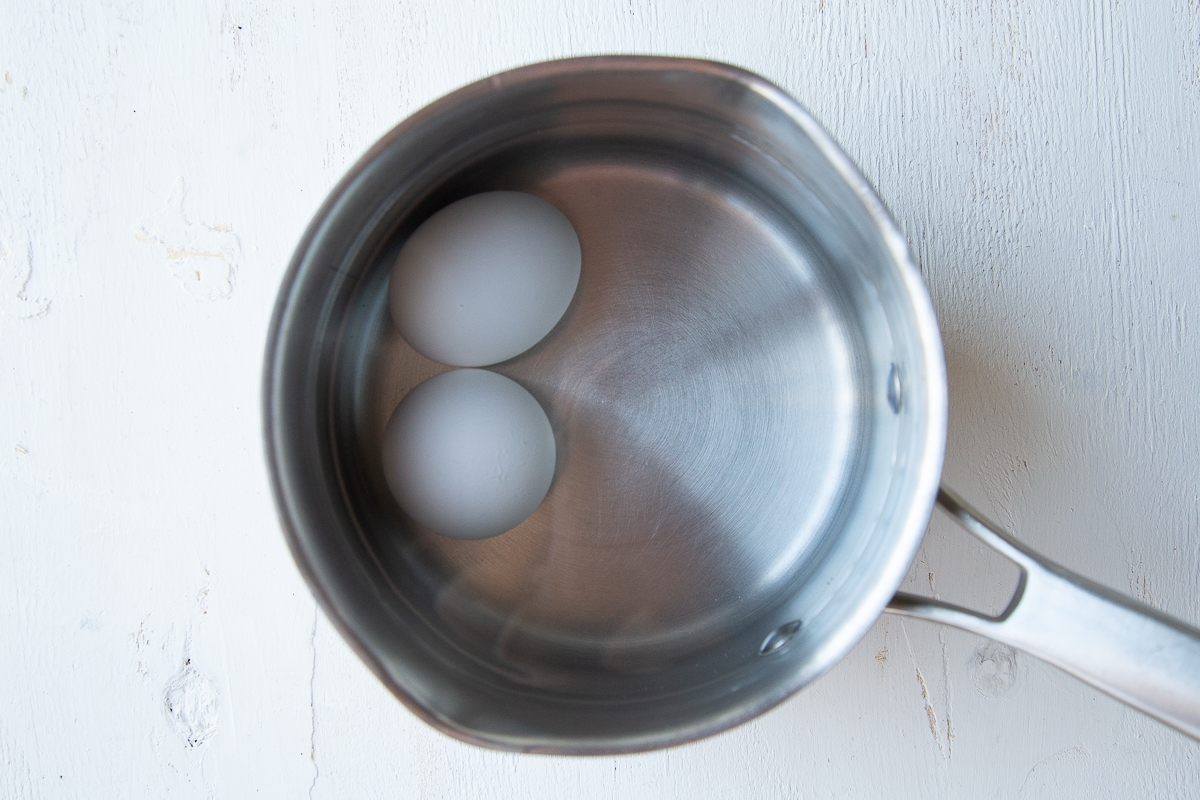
{"x":909,"y":526}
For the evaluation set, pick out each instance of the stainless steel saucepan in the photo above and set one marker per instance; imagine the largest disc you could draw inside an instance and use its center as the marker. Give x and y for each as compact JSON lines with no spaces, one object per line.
{"x":749,"y":399}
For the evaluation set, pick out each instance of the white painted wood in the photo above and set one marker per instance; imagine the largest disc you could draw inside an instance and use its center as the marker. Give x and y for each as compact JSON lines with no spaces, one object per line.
{"x":159,"y":164}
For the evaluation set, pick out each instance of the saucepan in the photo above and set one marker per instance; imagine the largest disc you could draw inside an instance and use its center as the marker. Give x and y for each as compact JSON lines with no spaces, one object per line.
{"x":748,"y":396}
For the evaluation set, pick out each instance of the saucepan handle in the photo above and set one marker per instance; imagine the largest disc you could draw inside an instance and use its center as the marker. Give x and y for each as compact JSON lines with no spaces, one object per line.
{"x":1127,"y":649}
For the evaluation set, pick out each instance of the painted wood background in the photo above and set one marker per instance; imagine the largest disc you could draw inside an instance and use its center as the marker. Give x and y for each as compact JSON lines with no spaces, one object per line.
{"x":157,"y":167}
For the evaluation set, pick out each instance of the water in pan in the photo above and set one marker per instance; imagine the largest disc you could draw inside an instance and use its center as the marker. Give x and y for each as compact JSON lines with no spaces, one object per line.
{"x":705,"y":401}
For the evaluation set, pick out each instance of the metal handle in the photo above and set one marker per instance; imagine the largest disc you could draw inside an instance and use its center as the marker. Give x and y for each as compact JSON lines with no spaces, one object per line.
{"x":1129,"y":650}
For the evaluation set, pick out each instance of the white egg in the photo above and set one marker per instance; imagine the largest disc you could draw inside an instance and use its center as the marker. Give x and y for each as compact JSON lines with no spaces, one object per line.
{"x":484,"y":279}
{"x":468,"y":454}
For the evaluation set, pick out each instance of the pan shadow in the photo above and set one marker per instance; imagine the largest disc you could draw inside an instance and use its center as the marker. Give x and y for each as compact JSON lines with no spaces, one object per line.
{"x":992,"y":424}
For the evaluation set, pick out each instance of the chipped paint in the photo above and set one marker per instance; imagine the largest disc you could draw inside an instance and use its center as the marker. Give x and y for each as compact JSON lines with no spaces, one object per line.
{"x":203,"y":258}
{"x":933,"y":727}
{"x":16,"y":270}
{"x":192,"y":705}
{"x":995,"y":670}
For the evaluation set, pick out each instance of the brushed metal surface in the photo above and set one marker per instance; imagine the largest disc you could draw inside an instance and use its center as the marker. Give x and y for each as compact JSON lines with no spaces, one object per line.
{"x":747,"y":394}
{"x":683,"y":501}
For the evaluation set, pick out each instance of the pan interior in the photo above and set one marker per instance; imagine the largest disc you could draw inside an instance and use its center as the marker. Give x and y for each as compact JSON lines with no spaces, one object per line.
{"x":704,"y":392}
{"x":747,"y":406}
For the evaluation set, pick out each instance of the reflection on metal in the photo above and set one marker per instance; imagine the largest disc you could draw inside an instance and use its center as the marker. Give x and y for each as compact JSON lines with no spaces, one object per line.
{"x":729,"y":459}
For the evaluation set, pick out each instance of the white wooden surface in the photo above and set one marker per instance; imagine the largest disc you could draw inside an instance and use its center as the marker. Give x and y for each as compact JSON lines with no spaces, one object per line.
{"x":158,"y":166}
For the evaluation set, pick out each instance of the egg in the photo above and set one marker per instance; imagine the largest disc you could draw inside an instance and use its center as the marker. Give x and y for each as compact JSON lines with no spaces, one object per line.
{"x":484,"y":279}
{"x":468,"y":454}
